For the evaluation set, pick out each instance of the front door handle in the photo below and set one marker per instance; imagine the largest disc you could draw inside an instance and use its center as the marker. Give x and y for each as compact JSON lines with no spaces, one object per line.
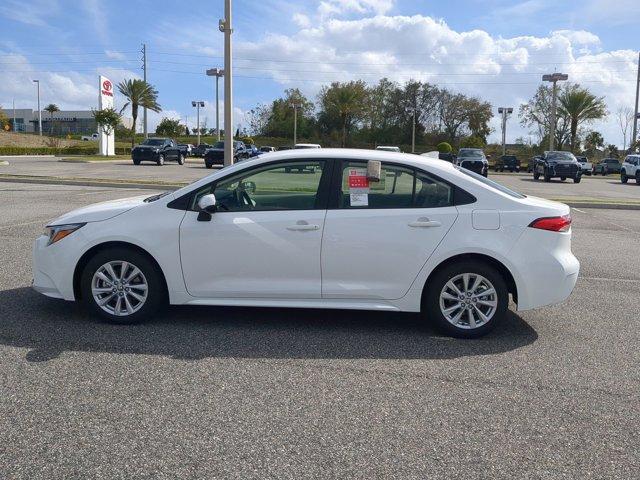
{"x":424,"y":222}
{"x":302,"y":226}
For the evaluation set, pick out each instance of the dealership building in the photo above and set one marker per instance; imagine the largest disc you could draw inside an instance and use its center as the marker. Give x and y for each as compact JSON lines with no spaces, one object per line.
{"x":61,"y":123}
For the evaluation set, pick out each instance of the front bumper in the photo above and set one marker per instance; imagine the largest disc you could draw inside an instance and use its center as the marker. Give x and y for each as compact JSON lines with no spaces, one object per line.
{"x":474,"y":166}
{"x":144,"y":155}
{"x":52,"y":268}
{"x":564,"y":170}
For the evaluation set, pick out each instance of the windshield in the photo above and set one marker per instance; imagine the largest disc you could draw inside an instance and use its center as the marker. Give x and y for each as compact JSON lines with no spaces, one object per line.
{"x":218,"y":145}
{"x":560,"y":156}
{"x":491,"y":183}
{"x":153,"y":141}
{"x":470,"y":152}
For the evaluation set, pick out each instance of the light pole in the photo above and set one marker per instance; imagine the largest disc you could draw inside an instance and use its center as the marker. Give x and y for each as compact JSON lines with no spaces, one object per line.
{"x":553,"y":78}
{"x":505,"y":112}
{"x":226,"y":27}
{"x":413,"y":133}
{"x":295,"y":104}
{"x":636,"y":116}
{"x":197,"y":104}
{"x":37,"y":82}
{"x":217,"y":72}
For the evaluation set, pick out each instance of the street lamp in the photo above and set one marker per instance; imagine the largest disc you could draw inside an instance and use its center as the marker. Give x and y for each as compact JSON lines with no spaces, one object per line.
{"x":505,"y":112}
{"x":225,"y":27}
{"x":37,"y":82}
{"x":216,"y":72}
{"x":198,"y":104}
{"x":295,"y":104}
{"x":554,"y":78}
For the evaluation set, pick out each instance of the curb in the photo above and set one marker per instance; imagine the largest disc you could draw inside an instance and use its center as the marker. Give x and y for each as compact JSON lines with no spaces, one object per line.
{"x":27,"y":156}
{"x":120,"y":160}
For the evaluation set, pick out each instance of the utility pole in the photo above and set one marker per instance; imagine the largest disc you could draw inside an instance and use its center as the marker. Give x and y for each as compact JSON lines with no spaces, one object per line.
{"x":217,"y":72}
{"x":295,"y":104}
{"x":636,"y":114}
{"x":144,"y":77}
{"x":553,"y":78}
{"x":14,"y":115}
{"x":226,"y":27}
{"x":504,"y":111}
{"x":197,"y":104}
{"x":413,"y":133}
{"x":37,"y":82}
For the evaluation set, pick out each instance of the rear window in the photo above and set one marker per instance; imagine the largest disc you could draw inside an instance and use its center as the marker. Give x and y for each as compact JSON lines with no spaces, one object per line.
{"x":491,"y":183}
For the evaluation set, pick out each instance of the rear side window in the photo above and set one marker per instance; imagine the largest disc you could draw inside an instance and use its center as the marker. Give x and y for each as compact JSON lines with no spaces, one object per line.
{"x":399,"y":187}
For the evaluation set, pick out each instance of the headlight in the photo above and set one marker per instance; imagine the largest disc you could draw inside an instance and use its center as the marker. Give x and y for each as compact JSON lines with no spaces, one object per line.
{"x":58,"y":232}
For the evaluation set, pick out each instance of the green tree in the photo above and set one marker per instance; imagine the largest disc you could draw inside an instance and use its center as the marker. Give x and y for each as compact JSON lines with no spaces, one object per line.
{"x":444,"y":147}
{"x":536,"y":114}
{"x":51,"y":108}
{"x":4,"y":121}
{"x":138,"y":94}
{"x":169,"y":127}
{"x":593,"y":140}
{"x":472,"y":142}
{"x":580,"y":107}
{"x":342,"y":107}
{"x":107,"y":120}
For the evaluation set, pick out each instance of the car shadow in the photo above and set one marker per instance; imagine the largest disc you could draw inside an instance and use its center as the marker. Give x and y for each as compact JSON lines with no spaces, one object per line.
{"x":48,"y":328}
{"x":553,"y":180}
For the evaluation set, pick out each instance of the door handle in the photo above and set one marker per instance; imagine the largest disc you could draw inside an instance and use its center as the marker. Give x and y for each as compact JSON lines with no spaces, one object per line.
{"x":302,"y":226}
{"x":424,"y":222}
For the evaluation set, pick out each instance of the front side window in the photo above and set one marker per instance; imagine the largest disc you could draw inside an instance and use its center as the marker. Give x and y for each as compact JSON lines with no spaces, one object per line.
{"x":399,"y":187}
{"x":284,"y":186}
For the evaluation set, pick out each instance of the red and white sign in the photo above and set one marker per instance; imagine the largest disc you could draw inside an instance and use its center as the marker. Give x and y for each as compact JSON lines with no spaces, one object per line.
{"x":107,"y":88}
{"x":358,"y":178}
{"x":105,"y":100}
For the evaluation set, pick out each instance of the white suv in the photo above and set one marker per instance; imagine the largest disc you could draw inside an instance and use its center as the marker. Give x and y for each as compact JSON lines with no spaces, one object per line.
{"x":630,"y":169}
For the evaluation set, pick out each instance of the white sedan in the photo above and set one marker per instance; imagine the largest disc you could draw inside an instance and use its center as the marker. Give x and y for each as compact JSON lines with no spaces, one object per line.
{"x":318,"y":228}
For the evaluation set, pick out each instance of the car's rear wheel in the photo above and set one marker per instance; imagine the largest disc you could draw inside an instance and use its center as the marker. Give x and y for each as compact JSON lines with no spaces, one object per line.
{"x":208,"y":165}
{"x":638,"y":177}
{"x":623,"y":176}
{"x":122,"y":286}
{"x":562,"y":179}
{"x":466,"y":299}
{"x":536,"y":174}
{"x":136,"y":162}
{"x":181,"y":159}
{"x":604,"y":172}
{"x":160,"y":160}
{"x":547,"y":176}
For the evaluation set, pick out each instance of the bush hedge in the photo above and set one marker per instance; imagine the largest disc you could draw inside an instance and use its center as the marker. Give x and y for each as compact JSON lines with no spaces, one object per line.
{"x":74,"y":150}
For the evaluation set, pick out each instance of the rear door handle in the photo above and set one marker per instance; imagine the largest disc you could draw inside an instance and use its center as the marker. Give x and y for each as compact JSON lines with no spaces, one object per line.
{"x":424,"y":222}
{"x":302,"y":226}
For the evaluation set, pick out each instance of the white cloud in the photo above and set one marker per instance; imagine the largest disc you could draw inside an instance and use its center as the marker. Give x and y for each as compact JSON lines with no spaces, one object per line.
{"x":34,"y":12}
{"x":301,"y":20}
{"x":329,"y":8}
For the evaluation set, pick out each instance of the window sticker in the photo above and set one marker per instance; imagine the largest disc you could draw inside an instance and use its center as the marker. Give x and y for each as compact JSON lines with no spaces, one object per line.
{"x":358,"y":181}
{"x":359,"y":199}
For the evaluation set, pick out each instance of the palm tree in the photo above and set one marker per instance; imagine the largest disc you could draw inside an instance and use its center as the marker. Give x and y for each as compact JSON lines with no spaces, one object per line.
{"x":51,"y":108}
{"x":346,"y":101}
{"x":580,"y":106}
{"x":138,"y":94}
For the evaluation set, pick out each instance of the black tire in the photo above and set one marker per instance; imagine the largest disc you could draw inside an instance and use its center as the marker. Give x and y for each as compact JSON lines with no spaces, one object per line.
{"x":577,"y":179}
{"x":623,"y":176}
{"x":431,"y":298}
{"x":536,"y":174}
{"x":181,"y":159}
{"x":208,"y":165}
{"x":156,"y":292}
{"x":136,"y":162}
{"x":547,"y":176}
{"x":604,"y":172}
{"x":160,"y":160}
{"x":638,"y":177}
{"x":562,"y":179}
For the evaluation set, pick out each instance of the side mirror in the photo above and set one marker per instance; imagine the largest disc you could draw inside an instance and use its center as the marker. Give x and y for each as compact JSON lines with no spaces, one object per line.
{"x":206,"y":207}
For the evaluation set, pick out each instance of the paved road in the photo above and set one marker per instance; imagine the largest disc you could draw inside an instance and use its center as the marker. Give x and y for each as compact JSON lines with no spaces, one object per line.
{"x":260,"y":393}
{"x":598,"y":187}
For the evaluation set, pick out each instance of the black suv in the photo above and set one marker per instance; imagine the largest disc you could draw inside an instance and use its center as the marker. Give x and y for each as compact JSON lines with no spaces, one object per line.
{"x":507,"y":162}
{"x":201,"y":149}
{"x":557,"y":164}
{"x":215,"y":154}
{"x":473,"y":159}
{"x":606,"y":166}
{"x":157,"y":150}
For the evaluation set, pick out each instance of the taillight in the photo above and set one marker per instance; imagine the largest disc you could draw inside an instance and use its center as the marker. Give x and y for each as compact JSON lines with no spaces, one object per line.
{"x":553,"y":224}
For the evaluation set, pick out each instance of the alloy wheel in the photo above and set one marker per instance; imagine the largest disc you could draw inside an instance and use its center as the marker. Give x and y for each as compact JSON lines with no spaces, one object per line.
{"x":119,"y":288}
{"x":468,"y":301}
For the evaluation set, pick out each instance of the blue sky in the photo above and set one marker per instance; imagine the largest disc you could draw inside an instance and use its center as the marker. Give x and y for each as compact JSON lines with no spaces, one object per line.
{"x":495,"y":49}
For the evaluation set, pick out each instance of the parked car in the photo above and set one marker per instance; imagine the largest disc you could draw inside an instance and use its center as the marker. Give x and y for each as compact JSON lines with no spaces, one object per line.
{"x":201,"y":149}
{"x":507,"y":162}
{"x":585,"y":165}
{"x":630,"y":169}
{"x":252,"y":150}
{"x":215,"y":155}
{"x":185,"y":148}
{"x":284,"y":147}
{"x":557,"y":164}
{"x":430,"y":237}
{"x":158,"y":150}
{"x":298,"y":146}
{"x":267,"y":149}
{"x":88,"y":138}
{"x":449,"y":157}
{"x":473,"y":159}
{"x":606,"y":166}
{"x":388,"y":148}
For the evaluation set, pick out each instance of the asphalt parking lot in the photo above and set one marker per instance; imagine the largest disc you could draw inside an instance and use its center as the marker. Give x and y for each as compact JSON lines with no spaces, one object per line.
{"x":268,"y":393}
{"x":597,"y":188}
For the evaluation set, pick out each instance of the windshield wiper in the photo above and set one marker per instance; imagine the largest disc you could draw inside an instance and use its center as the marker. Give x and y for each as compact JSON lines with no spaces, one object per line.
{"x":158,"y":196}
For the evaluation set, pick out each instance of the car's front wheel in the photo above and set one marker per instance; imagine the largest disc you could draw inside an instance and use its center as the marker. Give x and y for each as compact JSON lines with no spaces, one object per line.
{"x":623,"y":176}
{"x":122,"y":286}
{"x":181,"y":159}
{"x":466,"y":299}
{"x":577,"y":178}
{"x":536,"y":174}
{"x":160,"y":160}
{"x":547,"y":176}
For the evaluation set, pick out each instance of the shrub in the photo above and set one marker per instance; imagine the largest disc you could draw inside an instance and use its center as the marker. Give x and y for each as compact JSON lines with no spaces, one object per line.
{"x":444,"y":147}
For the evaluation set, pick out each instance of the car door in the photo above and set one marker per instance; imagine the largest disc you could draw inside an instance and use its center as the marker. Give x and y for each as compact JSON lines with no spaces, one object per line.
{"x":380,"y":234}
{"x":264,"y":239}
